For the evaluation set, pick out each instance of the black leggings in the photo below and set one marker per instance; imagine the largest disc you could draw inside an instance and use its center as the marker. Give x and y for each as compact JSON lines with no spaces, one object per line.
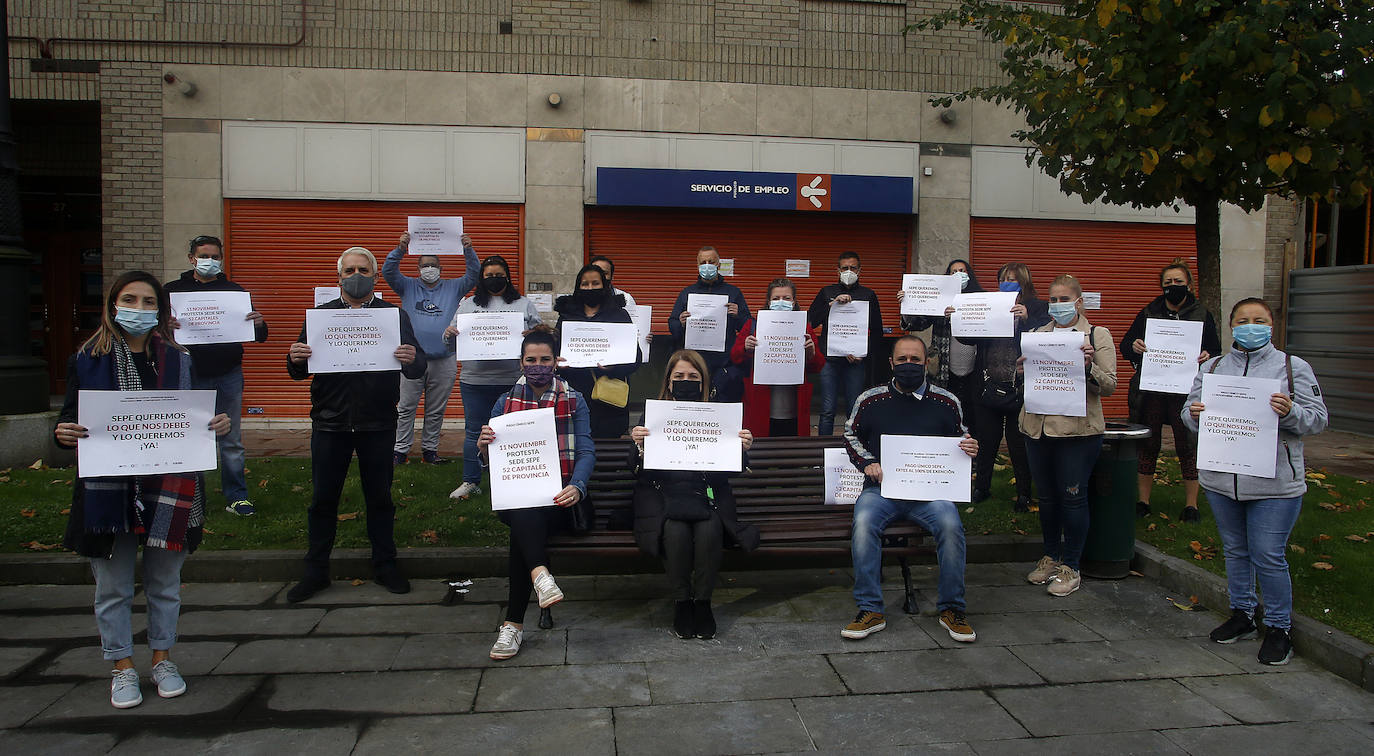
{"x":1156,"y":411}
{"x":692,"y":553}
{"x":529,"y":537}
{"x":988,"y":427}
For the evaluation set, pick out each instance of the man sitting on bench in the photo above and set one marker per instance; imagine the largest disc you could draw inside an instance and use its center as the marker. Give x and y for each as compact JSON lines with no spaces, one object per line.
{"x":907,"y":405}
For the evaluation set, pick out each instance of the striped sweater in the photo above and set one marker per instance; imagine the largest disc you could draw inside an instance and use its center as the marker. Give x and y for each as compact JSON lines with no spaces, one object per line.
{"x":929,"y":411}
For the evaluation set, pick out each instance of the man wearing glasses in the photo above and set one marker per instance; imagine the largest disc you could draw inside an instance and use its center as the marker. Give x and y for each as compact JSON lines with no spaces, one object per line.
{"x":219,"y":367}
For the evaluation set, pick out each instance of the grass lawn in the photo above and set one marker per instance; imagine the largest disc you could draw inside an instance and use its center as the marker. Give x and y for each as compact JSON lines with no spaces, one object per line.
{"x":1336,"y":527}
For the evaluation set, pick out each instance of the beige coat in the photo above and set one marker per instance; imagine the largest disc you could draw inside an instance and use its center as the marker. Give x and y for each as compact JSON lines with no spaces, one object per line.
{"x":1101,"y":382}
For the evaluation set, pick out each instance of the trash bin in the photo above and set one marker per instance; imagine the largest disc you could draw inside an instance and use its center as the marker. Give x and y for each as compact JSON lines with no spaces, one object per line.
{"x":1111,"y":504}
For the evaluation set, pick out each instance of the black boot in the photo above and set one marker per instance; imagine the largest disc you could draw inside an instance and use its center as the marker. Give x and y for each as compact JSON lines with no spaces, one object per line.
{"x":683,"y":619}
{"x":705,"y":621}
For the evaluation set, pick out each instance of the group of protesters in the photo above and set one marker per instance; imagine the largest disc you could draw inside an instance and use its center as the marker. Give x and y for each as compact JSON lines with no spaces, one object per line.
{"x":941,"y":384}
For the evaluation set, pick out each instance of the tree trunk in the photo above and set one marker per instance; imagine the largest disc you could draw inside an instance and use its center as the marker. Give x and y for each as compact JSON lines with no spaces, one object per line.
{"x":1207,"y":236}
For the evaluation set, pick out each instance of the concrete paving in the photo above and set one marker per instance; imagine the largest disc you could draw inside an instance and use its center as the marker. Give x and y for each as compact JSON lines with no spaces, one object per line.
{"x":1112,"y":668}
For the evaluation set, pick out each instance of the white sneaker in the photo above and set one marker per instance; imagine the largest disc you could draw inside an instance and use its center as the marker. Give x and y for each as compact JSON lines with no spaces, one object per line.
{"x":1066,"y":580}
{"x":1043,"y":572}
{"x":124,"y":692}
{"x":168,"y":679}
{"x":507,"y":642}
{"x":465,"y":491}
{"x":547,"y":590}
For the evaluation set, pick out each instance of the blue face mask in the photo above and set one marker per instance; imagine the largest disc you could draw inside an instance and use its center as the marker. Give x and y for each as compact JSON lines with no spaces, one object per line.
{"x":1009,"y":286}
{"x":1252,"y":336}
{"x":135,"y":322}
{"x":707,"y":271}
{"x":780,"y":304}
{"x":1063,"y":312}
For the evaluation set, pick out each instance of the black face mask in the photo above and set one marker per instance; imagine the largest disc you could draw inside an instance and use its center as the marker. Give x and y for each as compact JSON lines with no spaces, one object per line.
{"x":591,"y":297}
{"x":687,"y":391}
{"x":1175,"y":293}
{"x":908,"y":375}
{"x":494,"y":284}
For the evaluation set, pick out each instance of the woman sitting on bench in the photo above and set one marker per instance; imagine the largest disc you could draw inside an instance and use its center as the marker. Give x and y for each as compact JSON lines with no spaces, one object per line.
{"x":684,"y":516}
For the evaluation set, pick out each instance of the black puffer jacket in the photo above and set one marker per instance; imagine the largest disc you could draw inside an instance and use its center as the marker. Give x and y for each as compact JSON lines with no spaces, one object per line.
{"x":649,"y":504}
{"x":1191,"y":309}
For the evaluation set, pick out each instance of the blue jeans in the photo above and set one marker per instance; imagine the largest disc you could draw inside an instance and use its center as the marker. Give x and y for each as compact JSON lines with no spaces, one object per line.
{"x":1254,"y":538}
{"x":114,"y":596}
{"x":873,"y":513}
{"x":477,"y":403}
{"x":1061,"y":467}
{"x":228,"y":390}
{"x":838,"y":377}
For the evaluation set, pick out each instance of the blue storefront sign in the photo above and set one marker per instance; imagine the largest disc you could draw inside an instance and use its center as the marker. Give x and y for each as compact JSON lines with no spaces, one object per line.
{"x":754,"y":190}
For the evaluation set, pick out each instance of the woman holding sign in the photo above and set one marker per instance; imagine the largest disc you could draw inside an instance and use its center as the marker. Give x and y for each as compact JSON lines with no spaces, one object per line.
{"x":529,"y":528}
{"x":777,"y":410}
{"x":133,"y":350}
{"x":954,"y":360}
{"x":683,"y":516}
{"x":605,"y":386}
{"x":482,"y":381}
{"x":1254,"y":514}
{"x":1062,"y":449}
{"x":1155,"y":408}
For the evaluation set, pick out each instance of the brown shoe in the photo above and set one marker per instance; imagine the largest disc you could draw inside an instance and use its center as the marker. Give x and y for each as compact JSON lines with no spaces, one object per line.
{"x":864,"y":625}
{"x":959,"y":629}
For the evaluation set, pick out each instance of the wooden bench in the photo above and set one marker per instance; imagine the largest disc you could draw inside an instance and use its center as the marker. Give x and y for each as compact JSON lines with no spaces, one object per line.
{"x":782,"y":493}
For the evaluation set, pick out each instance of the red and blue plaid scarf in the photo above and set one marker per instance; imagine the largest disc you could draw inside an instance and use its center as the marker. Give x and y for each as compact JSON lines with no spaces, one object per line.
{"x":521,"y":397}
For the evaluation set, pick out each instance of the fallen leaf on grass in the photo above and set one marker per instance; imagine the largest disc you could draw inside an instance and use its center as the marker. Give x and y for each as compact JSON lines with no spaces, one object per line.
{"x":1355,"y":538}
{"x":66,"y":511}
{"x":37,"y":465}
{"x":1323,"y":566}
{"x":348,"y":516}
{"x":1033,"y":508}
{"x":1019,"y":531}
{"x":4,"y":478}
{"x":1137,"y":574}
{"x":1321,"y":537}
{"x":34,"y":513}
{"x":1328,"y":506}
{"x":969,"y":510}
{"x":262,"y":483}
{"x":207,"y":531}
{"x":36,"y":546}
{"x":1296,"y":549}
{"x":1315,"y":475}
{"x":297,"y":489}
{"x":356,"y":582}
{"x":429,"y":536}
{"x":462,"y":518}
{"x":1163,"y":516}
{"x":1152,"y":526}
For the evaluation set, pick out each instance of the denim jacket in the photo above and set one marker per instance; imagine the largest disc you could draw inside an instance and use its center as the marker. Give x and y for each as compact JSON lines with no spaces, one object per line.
{"x":584,"y":450}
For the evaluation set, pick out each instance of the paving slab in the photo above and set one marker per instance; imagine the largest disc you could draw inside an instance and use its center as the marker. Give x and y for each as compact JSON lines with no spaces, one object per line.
{"x":286,"y":655}
{"x":1020,"y":628}
{"x":193,"y":658}
{"x":561,"y":731}
{"x":55,"y":743}
{"x":321,"y":740}
{"x":1243,"y":653}
{"x":1109,"y":707}
{"x":368,"y":593}
{"x":229,"y":594}
{"x":1142,"y":743}
{"x":998,"y":573}
{"x":1155,"y":619}
{"x":752,"y":679}
{"x":380,"y":620}
{"x":444,"y":691}
{"x":15,"y":658}
{"x":626,"y":587}
{"x":1296,"y":737}
{"x":1123,"y":660}
{"x":249,"y":622}
{"x":604,"y":645}
{"x":878,"y":721}
{"x":925,"y":749}
{"x":50,"y":627}
{"x":736,"y":604}
{"x":1303,"y":696}
{"x":472,"y":650}
{"x":14,"y":598}
{"x":736,"y":727}
{"x":939,"y":669}
{"x":639,"y":613}
{"x":566,"y":686}
{"x":206,"y":698}
{"x":20,"y":703}
{"x":808,"y":638}
{"x":1000,"y":599}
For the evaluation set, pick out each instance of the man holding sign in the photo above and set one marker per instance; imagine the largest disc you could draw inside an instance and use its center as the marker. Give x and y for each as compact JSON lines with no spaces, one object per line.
{"x":431,"y":303}
{"x":846,"y":372}
{"x":905,"y":406}
{"x":219,"y":367}
{"x":710,"y":281}
{"x":353,"y":411}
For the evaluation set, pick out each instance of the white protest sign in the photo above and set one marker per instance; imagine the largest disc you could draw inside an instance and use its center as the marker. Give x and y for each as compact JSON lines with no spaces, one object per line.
{"x":706,"y":322}
{"x":488,"y":335}
{"x":643,"y":316}
{"x":326,"y":294}
{"x":1169,"y":364}
{"x":543,"y":302}
{"x":145,"y":432}
{"x":984,"y":314}
{"x":212,"y":317}
{"x":525,"y":471}
{"x":352,"y":340}
{"x":1056,"y":378}
{"x":843,"y":481}
{"x":700,"y":436}
{"x":726,"y":267}
{"x":925,"y":468}
{"x":1092,"y":300}
{"x":928,"y":295}
{"x":588,"y":344}
{"x":435,"y":235}
{"x":846,"y":330}
{"x":780,"y":357}
{"x":796,"y":269}
{"x":1238,"y":432}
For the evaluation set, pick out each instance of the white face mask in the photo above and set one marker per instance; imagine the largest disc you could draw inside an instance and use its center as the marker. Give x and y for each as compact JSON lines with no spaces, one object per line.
{"x":429,"y":274}
{"x":209,"y":266}
{"x":963,"y":279}
{"x":848,"y":277}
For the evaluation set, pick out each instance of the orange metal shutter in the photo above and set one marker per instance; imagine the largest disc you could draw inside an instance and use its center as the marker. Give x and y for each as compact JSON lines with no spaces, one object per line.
{"x":279,"y":250}
{"x":1120,"y":260}
{"x":655,"y":251}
